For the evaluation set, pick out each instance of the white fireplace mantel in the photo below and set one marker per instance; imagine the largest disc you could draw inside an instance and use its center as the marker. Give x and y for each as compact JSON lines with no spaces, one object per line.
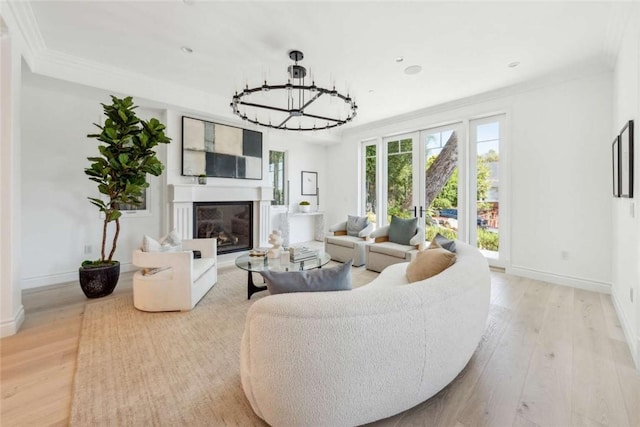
{"x":187,"y":193}
{"x":182,"y":197}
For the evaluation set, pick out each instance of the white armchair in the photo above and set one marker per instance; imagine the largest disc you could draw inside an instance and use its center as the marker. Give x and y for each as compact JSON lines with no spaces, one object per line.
{"x":180,"y":282}
{"x":342,"y":247}
{"x":382,"y":253}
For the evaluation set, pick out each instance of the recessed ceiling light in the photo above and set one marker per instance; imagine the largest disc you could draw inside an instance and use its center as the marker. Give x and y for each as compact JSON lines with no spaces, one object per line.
{"x":186,"y":49}
{"x":414,"y":69}
{"x":513,"y":64}
{"x":371,"y":91}
{"x":400,"y":59}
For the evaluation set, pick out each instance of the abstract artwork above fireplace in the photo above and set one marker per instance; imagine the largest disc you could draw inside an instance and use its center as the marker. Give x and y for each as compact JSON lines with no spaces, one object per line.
{"x":220,"y":151}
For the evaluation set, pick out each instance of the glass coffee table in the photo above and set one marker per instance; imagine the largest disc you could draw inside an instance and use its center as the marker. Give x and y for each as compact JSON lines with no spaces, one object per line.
{"x":256,"y":264}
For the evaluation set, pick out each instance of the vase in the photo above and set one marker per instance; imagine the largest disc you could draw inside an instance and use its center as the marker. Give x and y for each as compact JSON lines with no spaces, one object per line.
{"x":202,"y":180}
{"x":305,"y":208}
{"x":97,"y":282}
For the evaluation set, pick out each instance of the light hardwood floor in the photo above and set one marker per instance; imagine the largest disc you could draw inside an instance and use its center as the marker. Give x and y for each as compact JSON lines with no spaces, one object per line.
{"x":551,"y":356}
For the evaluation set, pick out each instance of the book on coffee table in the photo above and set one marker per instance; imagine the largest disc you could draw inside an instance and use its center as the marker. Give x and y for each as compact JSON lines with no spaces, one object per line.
{"x":302,"y":253}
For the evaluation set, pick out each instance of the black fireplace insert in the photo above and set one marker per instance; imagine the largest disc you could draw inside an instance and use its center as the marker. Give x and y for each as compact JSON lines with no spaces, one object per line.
{"x":229,"y":222}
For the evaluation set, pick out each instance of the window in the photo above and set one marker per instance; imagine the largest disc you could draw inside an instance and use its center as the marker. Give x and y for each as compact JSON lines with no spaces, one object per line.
{"x":400,"y":194}
{"x":277,"y":170}
{"x":440,"y":148}
{"x":370,"y":190}
{"x":485,"y":147}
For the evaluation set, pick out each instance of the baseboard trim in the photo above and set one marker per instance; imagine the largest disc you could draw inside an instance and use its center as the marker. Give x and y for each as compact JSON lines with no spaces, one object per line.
{"x":59,"y":278}
{"x":559,"y":279}
{"x":632,"y":342}
{"x":12,"y":326}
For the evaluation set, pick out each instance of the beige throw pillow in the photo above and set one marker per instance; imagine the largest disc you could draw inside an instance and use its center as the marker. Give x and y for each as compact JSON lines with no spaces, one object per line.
{"x":430,"y":262}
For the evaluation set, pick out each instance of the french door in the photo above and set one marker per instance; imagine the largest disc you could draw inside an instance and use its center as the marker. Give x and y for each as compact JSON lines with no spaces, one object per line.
{"x":399,"y":183}
{"x":449,"y":177}
{"x":442,"y":202}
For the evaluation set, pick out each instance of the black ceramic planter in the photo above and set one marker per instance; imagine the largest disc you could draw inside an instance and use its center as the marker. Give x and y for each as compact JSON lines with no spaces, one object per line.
{"x":99,"y":282}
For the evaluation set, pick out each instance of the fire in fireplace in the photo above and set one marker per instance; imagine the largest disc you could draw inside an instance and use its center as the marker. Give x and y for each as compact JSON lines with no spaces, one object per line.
{"x":229,"y":222}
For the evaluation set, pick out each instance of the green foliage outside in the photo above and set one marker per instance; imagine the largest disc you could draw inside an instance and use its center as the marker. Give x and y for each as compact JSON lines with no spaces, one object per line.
{"x":276,"y":171}
{"x":400,"y":192}
{"x":448,"y":196}
{"x":127,"y":155}
{"x":432,"y":230}
{"x":400,"y":179}
{"x":370,"y":182}
{"x":487,"y":239}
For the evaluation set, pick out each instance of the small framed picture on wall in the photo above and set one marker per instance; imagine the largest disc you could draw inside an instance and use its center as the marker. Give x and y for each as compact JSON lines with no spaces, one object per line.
{"x":626,"y":160}
{"x":615,"y":157}
{"x":309,"y":183}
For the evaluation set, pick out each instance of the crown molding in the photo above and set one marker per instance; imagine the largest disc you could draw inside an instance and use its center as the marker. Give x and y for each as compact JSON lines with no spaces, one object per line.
{"x":25,"y":21}
{"x":78,"y":70}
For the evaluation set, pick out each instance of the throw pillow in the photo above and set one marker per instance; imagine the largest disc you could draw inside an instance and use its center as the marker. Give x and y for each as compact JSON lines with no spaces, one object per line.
{"x":319,"y":280}
{"x":402,"y":230}
{"x":355,"y":224}
{"x":172,"y":239}
{"x":439,"y":241}
{"x":169,"y":243}
{"x":428,"y":263}
{"x":150,"y":244}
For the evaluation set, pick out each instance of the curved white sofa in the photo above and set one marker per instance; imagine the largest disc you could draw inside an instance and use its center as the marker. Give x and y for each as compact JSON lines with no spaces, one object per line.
{"x":352,"y":357}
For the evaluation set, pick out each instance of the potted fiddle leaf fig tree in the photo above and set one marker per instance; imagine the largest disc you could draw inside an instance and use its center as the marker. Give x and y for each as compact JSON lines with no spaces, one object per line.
{"x":127,"y":155}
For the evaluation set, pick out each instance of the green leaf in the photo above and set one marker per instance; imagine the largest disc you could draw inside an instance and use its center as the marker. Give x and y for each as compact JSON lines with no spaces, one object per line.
{"x":111,"y":133}
{"x":97,"y":202}
{"x":104,"y":189}
{"x":112,"y":215}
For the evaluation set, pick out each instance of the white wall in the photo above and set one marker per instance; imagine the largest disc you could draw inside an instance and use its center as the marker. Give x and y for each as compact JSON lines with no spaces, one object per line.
{"x":302,"y":156}
{"x":626,"y":227}
{"x":558,"y":137}
{"x":11,"y":309}
{"x":57,"y":219}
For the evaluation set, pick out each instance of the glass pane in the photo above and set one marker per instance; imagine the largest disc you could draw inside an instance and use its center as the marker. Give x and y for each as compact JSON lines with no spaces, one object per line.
{"x":441,"y":192}
{"x":370,"y":202}
{"x":276,"y":176}
{"x":406,"y":145}
{"x":370,"y":150}
{"x":392,"y":147}
{"x":400,"y":181}
{"x":488,"y":185}
{"x":488,"y":132}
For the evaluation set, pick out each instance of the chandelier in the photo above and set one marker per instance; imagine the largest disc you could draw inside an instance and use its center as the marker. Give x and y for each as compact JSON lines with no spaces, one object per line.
{"x":308,"y":108}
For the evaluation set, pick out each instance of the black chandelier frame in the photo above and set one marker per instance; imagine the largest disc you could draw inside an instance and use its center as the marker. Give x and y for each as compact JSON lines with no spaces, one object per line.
{"x":296,"y":72}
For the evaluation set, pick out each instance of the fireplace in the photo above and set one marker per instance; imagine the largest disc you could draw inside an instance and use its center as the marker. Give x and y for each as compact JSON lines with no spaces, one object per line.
{"x":229,"y":222}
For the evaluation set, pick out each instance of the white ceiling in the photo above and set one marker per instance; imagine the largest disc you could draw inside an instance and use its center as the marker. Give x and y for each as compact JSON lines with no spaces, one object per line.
{"x":463,"y":47}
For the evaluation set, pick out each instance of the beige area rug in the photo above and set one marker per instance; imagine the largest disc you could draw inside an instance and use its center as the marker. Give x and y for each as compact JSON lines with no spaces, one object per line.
{"x":168,"y":369}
